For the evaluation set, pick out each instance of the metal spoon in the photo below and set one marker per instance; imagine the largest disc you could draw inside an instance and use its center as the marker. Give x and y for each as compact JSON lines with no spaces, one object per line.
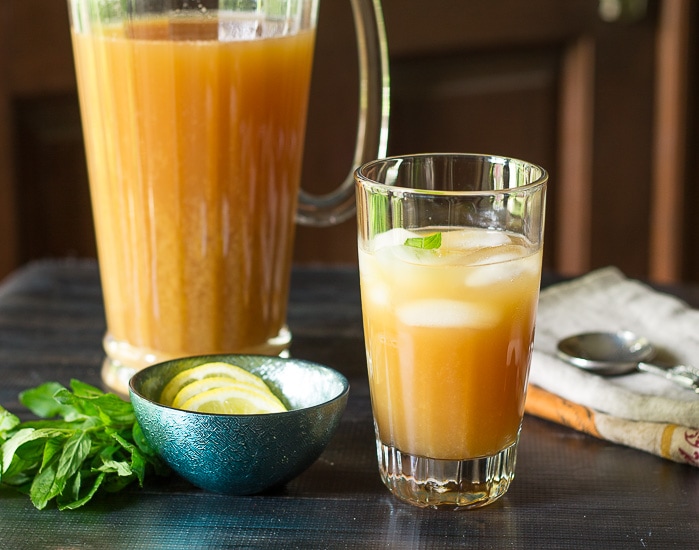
{"x":612,"y":353}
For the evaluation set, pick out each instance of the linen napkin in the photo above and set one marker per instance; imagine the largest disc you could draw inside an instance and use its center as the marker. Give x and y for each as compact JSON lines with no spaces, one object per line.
{"x":640,"y":410}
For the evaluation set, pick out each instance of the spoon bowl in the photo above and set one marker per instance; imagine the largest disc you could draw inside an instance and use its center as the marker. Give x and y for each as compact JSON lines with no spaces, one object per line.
{"x":608,"y":353}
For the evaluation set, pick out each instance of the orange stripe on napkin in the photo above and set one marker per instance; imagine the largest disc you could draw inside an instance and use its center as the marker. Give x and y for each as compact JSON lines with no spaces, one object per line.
{"x":552,"y":407}
{"x":666,"y":440}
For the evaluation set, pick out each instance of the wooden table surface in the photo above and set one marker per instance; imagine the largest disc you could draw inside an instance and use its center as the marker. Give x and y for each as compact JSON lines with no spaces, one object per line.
{"x":571,"y":490}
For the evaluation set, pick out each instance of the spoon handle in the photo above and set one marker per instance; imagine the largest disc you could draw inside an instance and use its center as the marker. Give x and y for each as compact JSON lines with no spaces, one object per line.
{"x":684,"y":375}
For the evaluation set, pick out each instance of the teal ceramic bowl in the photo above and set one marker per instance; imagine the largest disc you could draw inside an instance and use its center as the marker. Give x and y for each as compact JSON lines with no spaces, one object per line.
{"x":243,"y":454}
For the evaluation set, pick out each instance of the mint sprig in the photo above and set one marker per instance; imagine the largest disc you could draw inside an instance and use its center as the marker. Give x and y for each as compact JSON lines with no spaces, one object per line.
{"x":94,"y":444}
{"x":429,"y":242}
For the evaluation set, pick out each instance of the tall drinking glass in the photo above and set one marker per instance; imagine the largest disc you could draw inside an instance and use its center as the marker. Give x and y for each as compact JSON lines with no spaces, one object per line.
{"x":450,"y":252}
{"x":194,"y":115}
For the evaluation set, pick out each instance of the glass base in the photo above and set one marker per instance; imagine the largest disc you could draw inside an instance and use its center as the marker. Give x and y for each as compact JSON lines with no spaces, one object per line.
{"x":124,"y":360}
{"x":455,"y":484}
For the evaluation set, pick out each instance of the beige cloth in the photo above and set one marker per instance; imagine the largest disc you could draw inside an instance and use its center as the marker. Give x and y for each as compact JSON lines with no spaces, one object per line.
{"x":641,"y":410}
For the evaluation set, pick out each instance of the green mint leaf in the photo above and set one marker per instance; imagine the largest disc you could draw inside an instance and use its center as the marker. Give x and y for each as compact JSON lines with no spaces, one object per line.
{"x":75,"y":407}
{"x":430,"y":242}
{"x":140,"y":440}
{"x":23,"y":464}
{"x":8,"y":421}
{"x":81,"y":389}
{"x":138,"y":461}
{"x":16,"y":473}
{"x":19,"y":446}
{"x":40,"y":492}
{"x":71,"y":492}
{"x":120,"y":468}
{"x":41,"y":401}
{"x":52,"y":424}
{"x":71,"y":504}
{"x":138,"y":466}
{"x":147,"y":453}
{"x":114,"y":411}
{"x":75,"y":451}
{"x":113,"y":483}
{"x":52,"y":449}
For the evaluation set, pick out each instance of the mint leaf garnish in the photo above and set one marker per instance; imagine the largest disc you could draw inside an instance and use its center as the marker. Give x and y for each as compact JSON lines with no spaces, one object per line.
{"x":430,"y":242}
{"x":88,"y":440}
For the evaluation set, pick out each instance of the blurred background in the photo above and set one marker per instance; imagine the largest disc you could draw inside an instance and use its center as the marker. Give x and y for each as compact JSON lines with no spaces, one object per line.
{"x":602,"y":93}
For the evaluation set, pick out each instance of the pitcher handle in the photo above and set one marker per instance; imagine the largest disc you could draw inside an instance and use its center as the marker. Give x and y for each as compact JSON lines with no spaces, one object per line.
{"x":372,"y":129}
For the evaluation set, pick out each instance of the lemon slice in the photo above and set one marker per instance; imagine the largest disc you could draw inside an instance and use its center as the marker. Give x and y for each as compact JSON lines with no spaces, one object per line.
{"x":218,"y":369}
{"x":235,"y":398}
{"x":206,"y":384}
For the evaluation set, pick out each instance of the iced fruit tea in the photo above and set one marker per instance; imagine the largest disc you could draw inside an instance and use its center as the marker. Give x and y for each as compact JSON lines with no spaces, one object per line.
{"x":449,"y":332}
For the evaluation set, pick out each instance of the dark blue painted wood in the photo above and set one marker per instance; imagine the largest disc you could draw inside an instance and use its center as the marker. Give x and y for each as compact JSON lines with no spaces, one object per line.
{"x":571,"y":491}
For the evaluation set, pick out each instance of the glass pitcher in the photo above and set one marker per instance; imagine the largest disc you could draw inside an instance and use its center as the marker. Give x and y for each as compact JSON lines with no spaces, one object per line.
{"x":194,"y":116}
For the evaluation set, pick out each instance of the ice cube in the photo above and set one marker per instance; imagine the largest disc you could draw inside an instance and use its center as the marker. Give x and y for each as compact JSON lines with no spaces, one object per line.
{"x":392,"y":237}
{"x":532,"y":264}
{"x":232,"y":29}
{"x":444,"y":313}
{"x":484,"y":275}
{"x":474,"y":238}
{"x":412,"y":255}
{"x":379,"y":294}
{"x":506,"y":265}
{"x":234,"y":26}
{"x":494,"y":256}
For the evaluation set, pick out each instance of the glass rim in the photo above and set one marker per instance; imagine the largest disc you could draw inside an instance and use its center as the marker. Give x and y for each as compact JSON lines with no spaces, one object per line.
{"x":365,"y":181}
